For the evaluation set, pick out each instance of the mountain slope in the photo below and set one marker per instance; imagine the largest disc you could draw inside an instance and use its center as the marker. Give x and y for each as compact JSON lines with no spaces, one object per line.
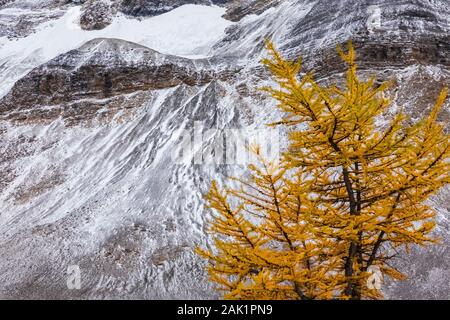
{"x":89,"y":128}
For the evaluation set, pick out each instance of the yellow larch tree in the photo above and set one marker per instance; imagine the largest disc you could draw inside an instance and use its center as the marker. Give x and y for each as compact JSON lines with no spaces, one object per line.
{"x":263,"y":247}
{"x":349,"y":194}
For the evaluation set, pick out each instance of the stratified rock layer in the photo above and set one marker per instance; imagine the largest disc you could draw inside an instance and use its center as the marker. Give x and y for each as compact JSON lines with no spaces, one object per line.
{"x":101,"y":69}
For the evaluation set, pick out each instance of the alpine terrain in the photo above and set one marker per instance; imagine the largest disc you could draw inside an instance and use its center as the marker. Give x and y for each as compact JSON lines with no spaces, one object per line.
{"x":94,"y":96}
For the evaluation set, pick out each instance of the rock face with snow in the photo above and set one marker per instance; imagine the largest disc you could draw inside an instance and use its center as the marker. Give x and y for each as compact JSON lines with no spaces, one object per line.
{"x":90,"y":120}
{"x":97,"y":14}
{"x":4,"y":2}
{"x":154,"y":7}
{"x":101,"y":69}
{"x":17,"y":22}
{"x":238,"y":9}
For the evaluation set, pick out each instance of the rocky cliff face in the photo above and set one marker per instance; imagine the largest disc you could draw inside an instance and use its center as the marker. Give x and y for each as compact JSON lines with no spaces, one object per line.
{"x":97,"y":14}
{"x":87,"y":174}
{"x":154,"y":7}
{"x":238,"y":9}
{"x":101,"y":69}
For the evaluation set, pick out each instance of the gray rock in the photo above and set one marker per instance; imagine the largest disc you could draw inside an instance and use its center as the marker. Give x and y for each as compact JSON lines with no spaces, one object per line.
{"x":5,"y":2}
{"x":97,"y":14}
{"x":241,"y":8}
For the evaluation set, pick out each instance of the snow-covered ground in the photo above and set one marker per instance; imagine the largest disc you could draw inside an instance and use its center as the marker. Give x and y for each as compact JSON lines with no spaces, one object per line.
{"x":188,"y":31}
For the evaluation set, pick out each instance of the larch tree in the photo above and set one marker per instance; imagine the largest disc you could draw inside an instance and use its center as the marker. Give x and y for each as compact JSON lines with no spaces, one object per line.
{"x":348,"y":194}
